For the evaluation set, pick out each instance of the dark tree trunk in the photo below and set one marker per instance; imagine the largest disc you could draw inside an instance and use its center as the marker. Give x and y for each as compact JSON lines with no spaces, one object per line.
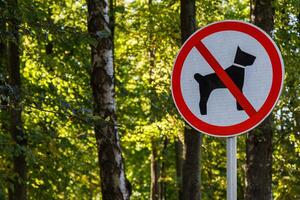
{"x":263,"y":14}
{"x":191,"y":165}
{"x":16,"y":126}
{"x":3,"y":58}
{"x":179,"y":165}
{"x":4,"y":92}
{"x":3,"y":48}
{"x":163,"y":184}
{"x":259,"y":141}
{"x":187,"y":19}
{"x":192,"y":138}
{"x":114,"y":184}
{"x":259,"y":162}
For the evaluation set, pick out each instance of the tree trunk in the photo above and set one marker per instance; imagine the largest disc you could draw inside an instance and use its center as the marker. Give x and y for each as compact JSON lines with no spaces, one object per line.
{"x":192,"y":138}
{"x":114,"y":184}
{"x":3,"y":60}
{"x":259,"y":163}
{"x":259,"y":141}
{"x":16,"y":125}
{"x":163,"y":183}
{"x":155,"y":192}
{"x":187,"y":19}
{"x":4,"y":93}
{"x":179,"y":165}
{"x":155,"y":173}
{"x":191,"y":166}
{"x":3,"y":50}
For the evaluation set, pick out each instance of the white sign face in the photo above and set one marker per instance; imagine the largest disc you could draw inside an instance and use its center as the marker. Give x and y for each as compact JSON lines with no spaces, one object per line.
{"x":221,"y":104}
{"x":227,"y":78}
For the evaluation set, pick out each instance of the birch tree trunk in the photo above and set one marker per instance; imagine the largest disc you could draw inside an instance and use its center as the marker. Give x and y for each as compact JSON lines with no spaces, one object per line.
{"x":19,"y":191}
{"x":114,"y":184}
{"x":259,"y":141}
{"x":192,"y":138}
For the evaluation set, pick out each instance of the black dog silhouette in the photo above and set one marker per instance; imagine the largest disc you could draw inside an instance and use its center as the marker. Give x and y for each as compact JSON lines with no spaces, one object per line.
{"x":211,"y":81}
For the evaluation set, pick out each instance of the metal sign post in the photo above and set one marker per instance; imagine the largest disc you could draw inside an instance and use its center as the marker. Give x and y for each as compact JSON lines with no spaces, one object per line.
{"x":231,"y":168}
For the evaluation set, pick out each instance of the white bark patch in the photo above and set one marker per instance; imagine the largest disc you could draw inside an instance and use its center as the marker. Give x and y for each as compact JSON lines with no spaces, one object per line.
{"x":106,"y":17}
{"x":97,"y":59}
{"x":118,"y":157}
{"x":121,"y":180}
{"x":123,"y":184}
{"x":109,"y":100}
{"x":109,"y":68}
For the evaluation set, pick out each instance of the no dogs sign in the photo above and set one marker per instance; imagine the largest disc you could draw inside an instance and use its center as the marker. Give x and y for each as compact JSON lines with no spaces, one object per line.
{"x":227,"y":78}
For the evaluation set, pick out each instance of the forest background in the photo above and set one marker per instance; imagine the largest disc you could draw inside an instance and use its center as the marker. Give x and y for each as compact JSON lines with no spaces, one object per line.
{"x":55,"y":100}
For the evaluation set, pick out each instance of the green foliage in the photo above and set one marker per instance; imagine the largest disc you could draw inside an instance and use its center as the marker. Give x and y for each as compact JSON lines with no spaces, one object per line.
{"x":287,"y":145}
{"x":56,"y":103}
{"x":146,"y":43}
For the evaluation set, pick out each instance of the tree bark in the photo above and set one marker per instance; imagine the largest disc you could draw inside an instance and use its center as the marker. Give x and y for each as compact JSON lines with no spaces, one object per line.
{"x":3,"y":47}
{"x":16,"y":125}
{"x":259,"y":162}
{"x":192,"y":138}
{"x":114,"y":184}
{"x":259,"y":141}
{"x":187,"y":18}
{"x":179,"y":165}
{"x":163,"y":183}
{"x":3,"y":57}
{"x":191,"y":166}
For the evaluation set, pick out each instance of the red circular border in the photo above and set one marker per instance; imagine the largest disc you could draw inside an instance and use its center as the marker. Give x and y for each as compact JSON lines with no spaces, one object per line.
{"x":263,"y":112}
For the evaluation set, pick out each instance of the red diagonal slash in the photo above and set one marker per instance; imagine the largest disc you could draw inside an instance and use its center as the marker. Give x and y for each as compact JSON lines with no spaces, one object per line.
{"x":227,"y":81}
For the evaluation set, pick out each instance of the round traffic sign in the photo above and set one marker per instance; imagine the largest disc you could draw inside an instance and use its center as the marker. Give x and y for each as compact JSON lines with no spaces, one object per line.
{"x":227,"y":78}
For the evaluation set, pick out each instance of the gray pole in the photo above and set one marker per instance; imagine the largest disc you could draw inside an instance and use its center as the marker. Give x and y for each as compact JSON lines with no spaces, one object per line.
{"x":231,"y":168}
